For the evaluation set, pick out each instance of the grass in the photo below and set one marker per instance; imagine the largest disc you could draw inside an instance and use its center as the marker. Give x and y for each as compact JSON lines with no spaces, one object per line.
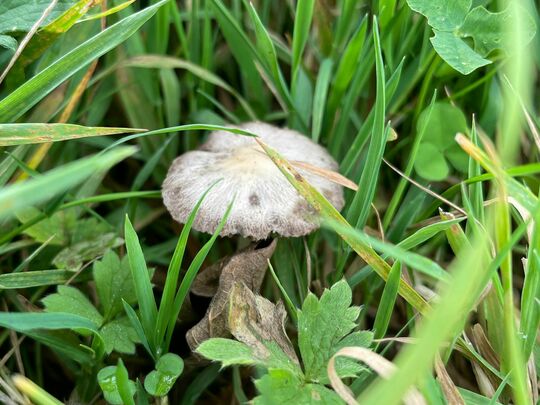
{"x":442,"y":254}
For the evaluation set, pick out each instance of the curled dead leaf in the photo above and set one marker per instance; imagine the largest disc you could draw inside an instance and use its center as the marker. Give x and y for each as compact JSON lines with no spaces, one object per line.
{"x":247,"y":267}
{"x":260,"y":324}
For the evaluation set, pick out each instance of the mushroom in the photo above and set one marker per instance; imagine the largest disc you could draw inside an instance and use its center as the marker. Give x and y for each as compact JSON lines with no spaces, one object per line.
{"x":266,"y":203}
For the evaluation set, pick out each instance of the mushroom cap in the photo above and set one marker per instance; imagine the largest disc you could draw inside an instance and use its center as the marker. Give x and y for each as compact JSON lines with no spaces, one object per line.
{"x":265,"y":202}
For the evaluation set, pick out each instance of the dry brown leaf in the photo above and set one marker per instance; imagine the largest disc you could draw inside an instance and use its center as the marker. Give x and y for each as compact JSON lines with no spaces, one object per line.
{"x":377,"y":363}
{"x":448,"y":387}
{"x":331,"y":175}
{"x":247,"y":267}
{"x":257,"y":322}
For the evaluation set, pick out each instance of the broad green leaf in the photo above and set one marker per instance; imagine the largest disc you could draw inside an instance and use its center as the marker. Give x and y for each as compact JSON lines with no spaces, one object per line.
{"x":457,"y":53}
{"x":168,"y":368}
{"x":282,"y":387}
{"x":322,"y":324}
{"x":442,"y":15}
{"x":8,"y":42}
{"x":71,"y":300}
{"x":25,"y":194}
{"x":22,"y":134}
{"x":59,"y":225}
{"x":227,"y":351}
{"x":430,"y":163}
{"x":21,"y":15}
{"x":32,"y":91}
{"x":36,"y":278}
{"x":490,"y":30}
{"x":119,"y":336}
{"x":441,"y":122}
{"x":113,"y":283}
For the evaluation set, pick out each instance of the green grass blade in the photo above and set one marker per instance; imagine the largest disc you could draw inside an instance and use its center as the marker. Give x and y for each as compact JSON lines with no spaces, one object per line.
{"x":398,"y":193}
{"x":171,"y":282}
{"x":141,"y":280}
{"x":319,"y":99}
{"x":327,"y":211}
{"x":191,"y":272}
{"x":22,"y":134}
{"x":302,"y":25}
{"x":361,"y":203}
{"x":11,"y":281}
{"x":136,"y":323}
{"x":388,"y":299}
{"x":57,"y":181}
{"x":122,"y":382}
{"x":30,"y":321}
{"x":31,"y":92}
{"x":414,"y":260}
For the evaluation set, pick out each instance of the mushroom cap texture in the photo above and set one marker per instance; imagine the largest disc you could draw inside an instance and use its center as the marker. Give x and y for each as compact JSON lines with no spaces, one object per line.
{"x":265,"y":202}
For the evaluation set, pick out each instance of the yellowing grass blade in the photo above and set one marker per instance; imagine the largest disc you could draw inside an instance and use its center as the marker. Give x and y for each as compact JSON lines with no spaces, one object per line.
{"x":326,"y":210}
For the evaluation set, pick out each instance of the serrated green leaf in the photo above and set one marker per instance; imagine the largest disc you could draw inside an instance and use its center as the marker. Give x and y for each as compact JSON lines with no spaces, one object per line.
{"x":71,"y":300}
{"x":442,"y":14}
{"x":282,"y":387}
{"x":489,"y":30}
{"x":322,"y":324}
{"x":457,"y":53}
{"x":113,"y":283}
{"x":119,"y":336}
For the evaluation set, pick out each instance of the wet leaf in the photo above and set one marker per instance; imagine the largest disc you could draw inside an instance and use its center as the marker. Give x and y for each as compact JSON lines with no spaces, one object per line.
{"x":71,"y":300}
{"x":113,"y":283}
{"x":168,"y":368}
{"x":119,"y":336}
{"x":108,"y":384}
{"x":324,"y":326}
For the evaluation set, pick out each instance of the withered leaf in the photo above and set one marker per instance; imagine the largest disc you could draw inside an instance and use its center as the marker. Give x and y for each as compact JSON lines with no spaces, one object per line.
{"x":247,"y":267}
{"x":260,"y":324}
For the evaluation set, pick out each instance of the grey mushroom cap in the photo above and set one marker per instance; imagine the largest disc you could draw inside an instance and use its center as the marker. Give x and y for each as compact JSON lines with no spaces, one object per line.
{"x":265,"y":202}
